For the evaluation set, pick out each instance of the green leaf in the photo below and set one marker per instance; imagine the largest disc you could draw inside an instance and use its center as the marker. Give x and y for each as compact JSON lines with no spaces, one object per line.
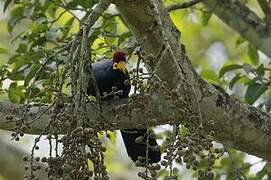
{"x":71,"y":5}
{"x":16,"y":14}
{"x":228,"y":68}
{"x":93,"y":33}
{"x":260,"y":70}
{"x":16,"y":93}
{"x":183,"y":131}
{"x":32,"y":72}
{"x":268,"y":168}
{"x":10,"y":27}
{"x":234,"y":80}
{"x":254,"y":91}
{"x":32,"y":92}
{"x":86,"y":3}
{"x":39,"y":27}
{"x":110,"y":26}
{"x":261,"y":174}
{"x":3,"y":51}
{"x":16,"y":76}
{"x":13,"y":59}
{"x":112,"y":136}
{"x":52,"y":9}
{"x":244,"y":80}
{"x":67,"y":27}
{"x":210,"y":76}
{"x":69,"y":22}
{"x":13,"y":85}
{"x":253,"y":54}
{"x":239,"y":41}
{"x":19,"y":60}
{"x":17,"y":37}
{"x":162,"y":172}
{"x":34,"y":57}
{"x":22,"y":48}
{"x":124,"y":36}
{"x":205,"y":17}
{"x":265,"y":170}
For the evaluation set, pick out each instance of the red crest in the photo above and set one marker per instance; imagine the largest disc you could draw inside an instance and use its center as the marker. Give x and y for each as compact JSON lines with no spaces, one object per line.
{"x":119,"y":55}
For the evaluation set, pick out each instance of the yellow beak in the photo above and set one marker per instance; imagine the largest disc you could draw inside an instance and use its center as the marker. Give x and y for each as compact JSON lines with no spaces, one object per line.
{"x":120,"y":66}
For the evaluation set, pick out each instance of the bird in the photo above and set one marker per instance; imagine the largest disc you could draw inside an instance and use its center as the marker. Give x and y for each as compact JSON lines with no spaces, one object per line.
{"x":112,"y":74}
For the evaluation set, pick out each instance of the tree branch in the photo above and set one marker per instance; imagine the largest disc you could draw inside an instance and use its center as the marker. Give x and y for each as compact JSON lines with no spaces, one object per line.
{"x":265,"y":6}
{"x":184,"y":5}
{"x":244,"y":21}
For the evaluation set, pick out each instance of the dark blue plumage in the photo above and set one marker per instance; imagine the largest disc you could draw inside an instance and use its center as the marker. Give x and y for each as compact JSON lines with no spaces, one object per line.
{"x":107,"y":77}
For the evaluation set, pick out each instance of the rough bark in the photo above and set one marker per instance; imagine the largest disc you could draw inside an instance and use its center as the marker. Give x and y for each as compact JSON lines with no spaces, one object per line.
{"x":237,"y":125}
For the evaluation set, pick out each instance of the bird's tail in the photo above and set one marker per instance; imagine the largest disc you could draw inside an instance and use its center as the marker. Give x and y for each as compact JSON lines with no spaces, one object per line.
{"x":136,"y":149}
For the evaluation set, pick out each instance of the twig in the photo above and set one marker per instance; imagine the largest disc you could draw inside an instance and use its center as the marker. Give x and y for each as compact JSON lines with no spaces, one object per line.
{"x":96,"y":13}
{"x":56,"y":19}
{"x":42,"y":113}
{"x":61,"y":4}
{"x":47,"y":60}
{"x":184,"y":5}
{"x":137,"y":67}
{"x":92,"y":18}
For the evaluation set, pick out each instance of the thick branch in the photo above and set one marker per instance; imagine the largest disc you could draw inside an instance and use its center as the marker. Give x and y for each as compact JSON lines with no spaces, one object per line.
{"x":241,"y":126}
{"x":244,"y":21}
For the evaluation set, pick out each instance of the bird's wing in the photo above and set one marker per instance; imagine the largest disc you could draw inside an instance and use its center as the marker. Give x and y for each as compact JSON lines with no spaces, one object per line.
{"x":106,"y":77}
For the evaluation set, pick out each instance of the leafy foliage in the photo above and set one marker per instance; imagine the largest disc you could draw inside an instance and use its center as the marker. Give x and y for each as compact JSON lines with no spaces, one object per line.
{"x":50,"y":25}
{"x":252,"y":76}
